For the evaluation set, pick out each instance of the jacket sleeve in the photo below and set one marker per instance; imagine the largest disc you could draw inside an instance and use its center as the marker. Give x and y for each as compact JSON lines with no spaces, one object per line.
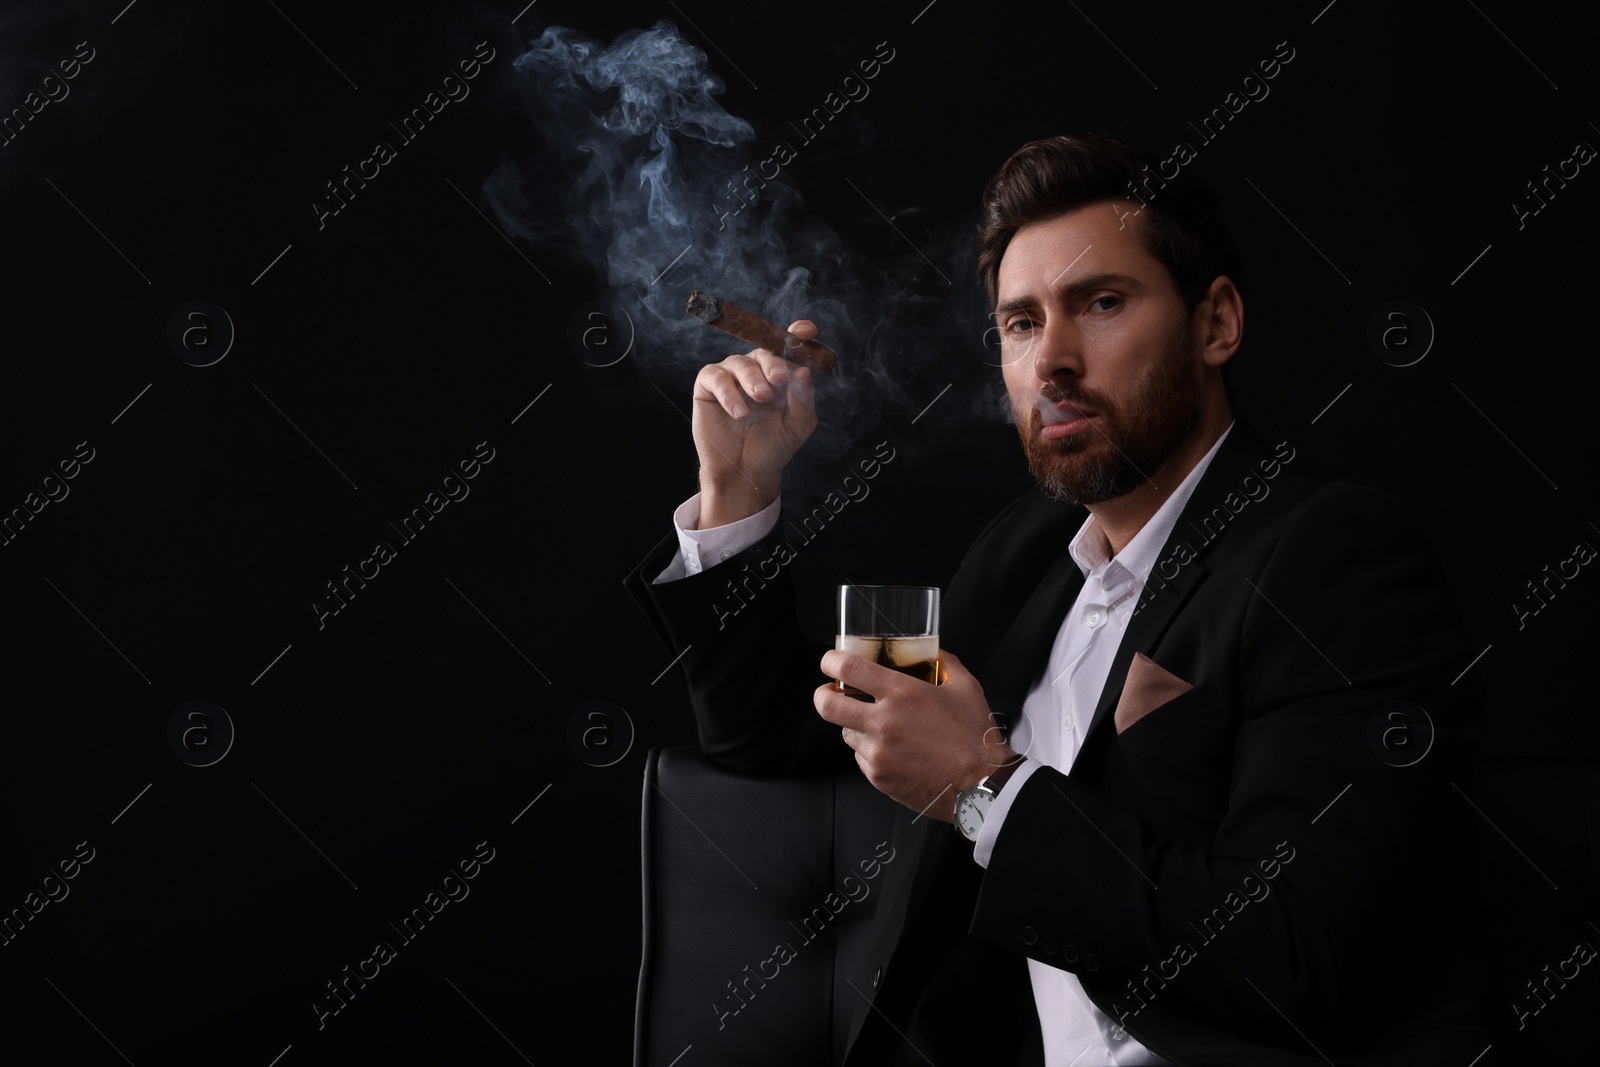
{"x":750,"y":669}
{"x":1328,"y":862}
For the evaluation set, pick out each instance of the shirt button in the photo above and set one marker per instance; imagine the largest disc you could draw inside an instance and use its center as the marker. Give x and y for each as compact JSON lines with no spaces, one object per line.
{"x":1093,"y":619}
{"x":724,"y":554}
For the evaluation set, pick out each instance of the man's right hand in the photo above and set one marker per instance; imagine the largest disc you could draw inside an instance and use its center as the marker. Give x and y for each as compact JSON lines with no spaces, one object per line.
{"x":752,"y":413}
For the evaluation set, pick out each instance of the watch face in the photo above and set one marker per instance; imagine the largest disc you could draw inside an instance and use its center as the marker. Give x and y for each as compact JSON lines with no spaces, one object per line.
{"x":970,"y":811}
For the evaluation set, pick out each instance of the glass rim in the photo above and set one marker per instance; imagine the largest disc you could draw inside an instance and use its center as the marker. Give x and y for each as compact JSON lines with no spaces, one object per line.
{"x":906,"y":588}
{"x":888,"y":637}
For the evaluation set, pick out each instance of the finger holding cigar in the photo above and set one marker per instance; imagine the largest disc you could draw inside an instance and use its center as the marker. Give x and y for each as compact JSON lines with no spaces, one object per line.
{"x":751,"y":413}
{"x":751,"y":328}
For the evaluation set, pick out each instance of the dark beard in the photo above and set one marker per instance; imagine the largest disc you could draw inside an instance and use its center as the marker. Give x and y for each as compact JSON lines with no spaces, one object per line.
{"x":1085,"y":469}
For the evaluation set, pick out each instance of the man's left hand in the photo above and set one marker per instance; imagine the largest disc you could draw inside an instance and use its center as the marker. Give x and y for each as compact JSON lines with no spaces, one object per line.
{"x":919,"y":744}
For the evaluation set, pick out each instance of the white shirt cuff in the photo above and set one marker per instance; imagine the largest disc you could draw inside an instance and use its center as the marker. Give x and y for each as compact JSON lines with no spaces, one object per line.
{"x":990,"y":830}
{"x":699,"y":549}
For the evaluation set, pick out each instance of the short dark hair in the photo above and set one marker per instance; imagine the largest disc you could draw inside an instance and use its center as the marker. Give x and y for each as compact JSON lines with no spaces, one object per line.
{"x":1180,"y":223}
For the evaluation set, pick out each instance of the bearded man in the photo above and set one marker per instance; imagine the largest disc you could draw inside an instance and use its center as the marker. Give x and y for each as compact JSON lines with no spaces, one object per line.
{"x":1152,"y":812}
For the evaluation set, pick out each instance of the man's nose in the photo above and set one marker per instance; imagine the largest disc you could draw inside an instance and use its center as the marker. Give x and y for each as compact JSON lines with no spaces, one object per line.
{"x":1057,"y":352}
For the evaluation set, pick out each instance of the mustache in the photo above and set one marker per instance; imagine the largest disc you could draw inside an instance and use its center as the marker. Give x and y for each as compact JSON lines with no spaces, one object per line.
{"x":1051,"y":394}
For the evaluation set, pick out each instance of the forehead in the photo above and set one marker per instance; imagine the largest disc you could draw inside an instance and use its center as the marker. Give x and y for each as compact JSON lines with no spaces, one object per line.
{"x":1046,"y":256}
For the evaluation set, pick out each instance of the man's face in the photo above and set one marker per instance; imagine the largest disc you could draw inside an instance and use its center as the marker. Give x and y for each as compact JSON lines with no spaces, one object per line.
{"x":1098,"y":355}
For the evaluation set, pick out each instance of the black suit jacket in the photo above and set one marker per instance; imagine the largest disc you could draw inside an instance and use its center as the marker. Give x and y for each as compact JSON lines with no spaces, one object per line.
{"x":1241,"y":876}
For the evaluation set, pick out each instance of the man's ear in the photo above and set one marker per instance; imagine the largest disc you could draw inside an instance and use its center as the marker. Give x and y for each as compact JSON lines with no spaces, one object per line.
{"x":1219,"y":321}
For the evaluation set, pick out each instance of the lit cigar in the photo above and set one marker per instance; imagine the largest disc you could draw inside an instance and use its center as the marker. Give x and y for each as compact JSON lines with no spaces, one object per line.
{"x":755,"y":330}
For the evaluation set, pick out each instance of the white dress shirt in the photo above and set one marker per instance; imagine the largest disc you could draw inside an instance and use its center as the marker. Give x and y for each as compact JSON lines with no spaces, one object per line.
{"x":1049,"y":732}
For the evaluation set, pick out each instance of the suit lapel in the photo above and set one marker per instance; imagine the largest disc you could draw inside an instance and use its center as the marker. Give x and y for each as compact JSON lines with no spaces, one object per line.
{"x":1025,"y":650}
{"x":1022,"y":656}
{"x":1158,"y":605}
{"x":1149,"y":622}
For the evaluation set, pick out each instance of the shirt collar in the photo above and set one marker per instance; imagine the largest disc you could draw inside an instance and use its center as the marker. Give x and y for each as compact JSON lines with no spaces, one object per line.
{"x":1091,"y":549}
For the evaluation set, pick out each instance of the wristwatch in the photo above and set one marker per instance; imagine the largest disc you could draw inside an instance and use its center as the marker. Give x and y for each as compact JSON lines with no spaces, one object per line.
{"x":972,"y":806}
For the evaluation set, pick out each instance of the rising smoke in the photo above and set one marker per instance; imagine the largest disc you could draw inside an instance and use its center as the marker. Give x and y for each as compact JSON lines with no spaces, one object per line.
{"x":635,"y":177}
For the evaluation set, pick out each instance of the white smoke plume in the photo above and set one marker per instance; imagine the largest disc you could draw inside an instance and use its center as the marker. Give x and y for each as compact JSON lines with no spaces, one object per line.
{"x":640,"y":173}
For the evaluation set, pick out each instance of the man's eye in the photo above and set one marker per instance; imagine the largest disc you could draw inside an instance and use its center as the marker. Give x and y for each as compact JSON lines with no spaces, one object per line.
{"x":1114,"y":300}
{"x":1019,"y":325}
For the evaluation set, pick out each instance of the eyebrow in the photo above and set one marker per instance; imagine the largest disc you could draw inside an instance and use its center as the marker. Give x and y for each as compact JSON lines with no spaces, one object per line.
{"x":1105,"y":279}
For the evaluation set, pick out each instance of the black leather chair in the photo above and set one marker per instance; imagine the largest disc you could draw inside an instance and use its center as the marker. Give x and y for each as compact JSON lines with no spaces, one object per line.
{"x":733,"y":867}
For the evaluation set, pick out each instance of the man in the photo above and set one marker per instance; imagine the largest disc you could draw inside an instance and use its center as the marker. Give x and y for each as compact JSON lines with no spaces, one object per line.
{"x":1178,"y":682}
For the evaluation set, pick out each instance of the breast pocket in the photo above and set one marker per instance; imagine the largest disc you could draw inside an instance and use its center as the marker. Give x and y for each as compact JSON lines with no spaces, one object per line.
{"x":1174,"y":766}
{"x":1181,"y":714}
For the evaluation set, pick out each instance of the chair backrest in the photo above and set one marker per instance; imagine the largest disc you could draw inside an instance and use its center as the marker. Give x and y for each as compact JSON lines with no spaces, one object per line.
{"x":759,"y":895}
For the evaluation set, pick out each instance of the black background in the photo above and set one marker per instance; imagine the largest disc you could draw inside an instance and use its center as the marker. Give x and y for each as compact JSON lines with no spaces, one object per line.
{"x":380,"y":749}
